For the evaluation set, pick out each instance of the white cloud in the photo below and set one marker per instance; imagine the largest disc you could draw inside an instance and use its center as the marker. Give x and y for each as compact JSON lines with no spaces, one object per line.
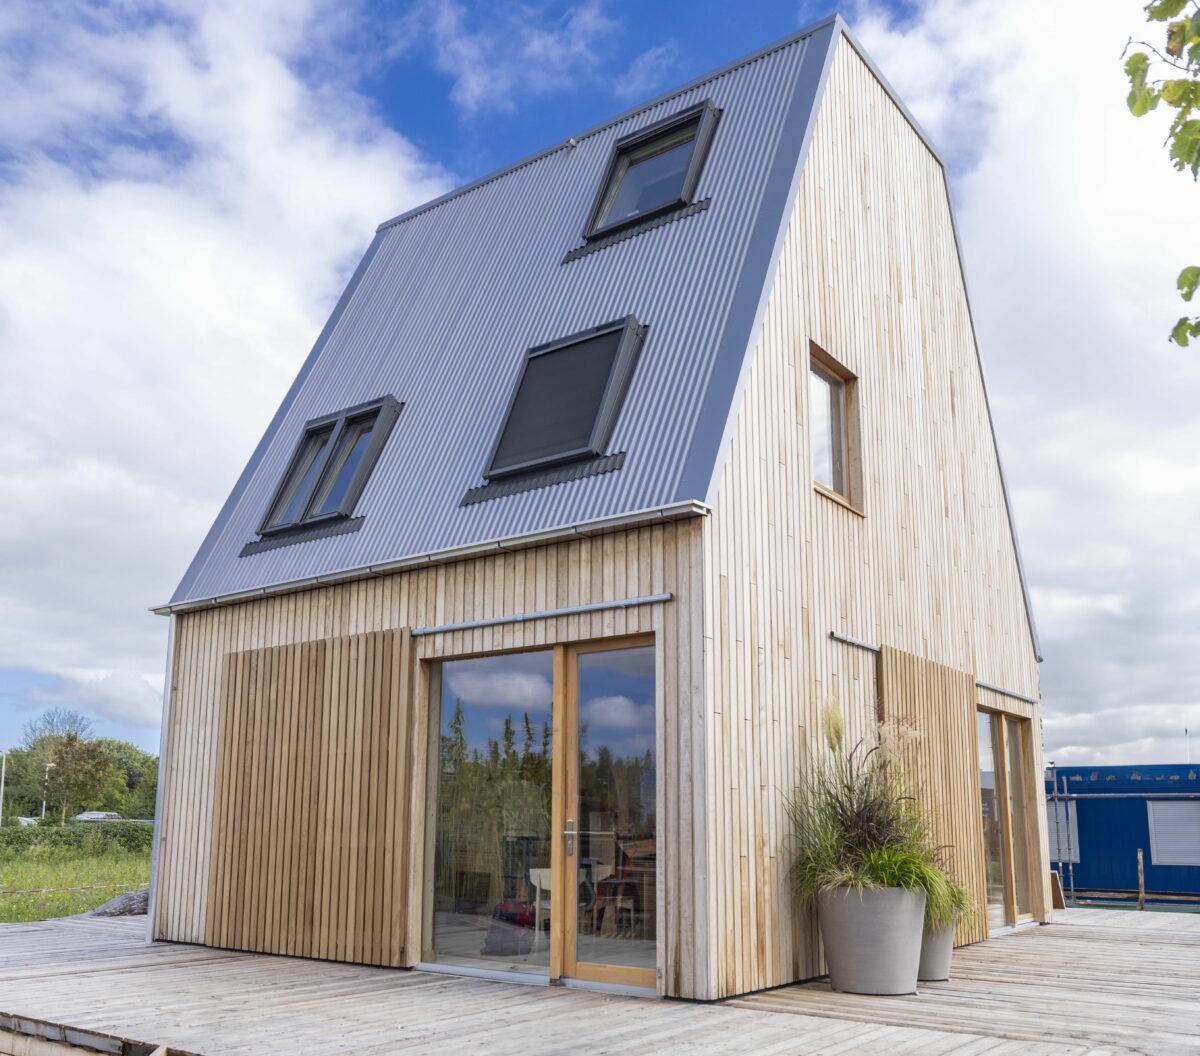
{"x":495,"y":57}
{"x":119,"y":695}
{"x":179,"y":209}
{"x":498,"y":687}
{"x":1074,"y":226}
{"x":618,"y":713}
{"x":650,"y":72}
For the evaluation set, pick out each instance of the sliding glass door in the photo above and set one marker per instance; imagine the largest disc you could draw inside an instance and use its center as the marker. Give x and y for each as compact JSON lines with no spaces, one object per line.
{"x":543,"y":819}
{"x":1005,"y":804}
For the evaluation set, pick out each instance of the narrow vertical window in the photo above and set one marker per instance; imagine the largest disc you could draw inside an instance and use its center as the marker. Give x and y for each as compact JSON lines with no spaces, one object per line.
{"x":828,"y":410}
{"x":834,"y":429}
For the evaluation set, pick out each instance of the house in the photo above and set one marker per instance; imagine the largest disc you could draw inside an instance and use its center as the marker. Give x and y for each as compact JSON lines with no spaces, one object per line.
{"x":1100,"y":817}
{"x":610,"y":473}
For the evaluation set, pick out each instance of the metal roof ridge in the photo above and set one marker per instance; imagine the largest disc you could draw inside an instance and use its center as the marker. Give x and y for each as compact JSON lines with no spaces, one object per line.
{"x":625,"y":115}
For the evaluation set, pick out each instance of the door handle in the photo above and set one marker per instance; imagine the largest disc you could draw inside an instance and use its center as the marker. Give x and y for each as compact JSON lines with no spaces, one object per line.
{"x":569,"y":833}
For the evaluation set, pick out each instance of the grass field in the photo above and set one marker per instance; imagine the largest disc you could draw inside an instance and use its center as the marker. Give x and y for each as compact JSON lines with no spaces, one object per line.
{"x":106,"y":876}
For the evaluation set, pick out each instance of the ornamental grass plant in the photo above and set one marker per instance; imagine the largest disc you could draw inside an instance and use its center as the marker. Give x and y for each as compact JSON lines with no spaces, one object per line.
{"x":855,"y":825}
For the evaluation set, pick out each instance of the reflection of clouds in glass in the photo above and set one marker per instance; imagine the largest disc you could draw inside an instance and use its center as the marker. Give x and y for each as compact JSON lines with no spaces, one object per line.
{"x":521,"y":681}
{"x":632,"y":663}
{"x":618,"y":713}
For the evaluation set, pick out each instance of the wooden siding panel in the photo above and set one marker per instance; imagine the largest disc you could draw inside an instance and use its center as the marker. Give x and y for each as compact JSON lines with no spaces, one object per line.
{"x":869,"y":272}
{"x":929,"y":710}
{"x":346,"y":742}
{"x":300,"y":799}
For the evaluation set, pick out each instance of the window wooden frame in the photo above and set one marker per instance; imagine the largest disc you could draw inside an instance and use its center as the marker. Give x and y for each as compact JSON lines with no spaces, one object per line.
{"x":704,"y":116}
{"x":850,"y":453}
{"x":385,"y":411}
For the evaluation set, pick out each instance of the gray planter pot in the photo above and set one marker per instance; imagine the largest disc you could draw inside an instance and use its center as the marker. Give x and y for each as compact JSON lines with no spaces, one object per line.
{"x":937,"y":947}
{"x":872,"y":938}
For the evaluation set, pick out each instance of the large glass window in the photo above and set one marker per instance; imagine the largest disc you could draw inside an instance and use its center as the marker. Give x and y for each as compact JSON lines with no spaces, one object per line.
{"x":491,"y":881}
{"x":567,"y":398}
{"x":330,"y":466}
{"x":653,"y":170}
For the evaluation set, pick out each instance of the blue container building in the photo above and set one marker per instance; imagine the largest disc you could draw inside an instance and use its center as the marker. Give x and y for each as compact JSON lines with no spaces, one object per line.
{"x":1099,"y":816}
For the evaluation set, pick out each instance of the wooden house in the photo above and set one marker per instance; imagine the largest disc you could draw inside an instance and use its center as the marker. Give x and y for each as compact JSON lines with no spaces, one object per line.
{"x":610,"y":473}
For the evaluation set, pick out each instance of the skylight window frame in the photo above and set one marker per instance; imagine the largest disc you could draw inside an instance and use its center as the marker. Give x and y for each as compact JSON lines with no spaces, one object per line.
{"x":385,"y":411}
{"x":704,"y":115}
{"x":629,"y":348}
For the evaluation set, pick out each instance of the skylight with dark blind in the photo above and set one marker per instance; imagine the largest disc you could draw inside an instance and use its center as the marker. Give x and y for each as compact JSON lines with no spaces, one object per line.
{"x":567,"y":398}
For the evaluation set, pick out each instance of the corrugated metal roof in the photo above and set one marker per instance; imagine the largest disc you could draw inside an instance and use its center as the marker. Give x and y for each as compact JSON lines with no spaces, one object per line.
{"x":450,"y":296}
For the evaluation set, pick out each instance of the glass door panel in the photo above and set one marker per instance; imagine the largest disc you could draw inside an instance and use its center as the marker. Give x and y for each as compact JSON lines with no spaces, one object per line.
{"x":1018,"y":816}
{"x":611,"y":807}
{"x":491,"y":876}
{"x":995,"y":864}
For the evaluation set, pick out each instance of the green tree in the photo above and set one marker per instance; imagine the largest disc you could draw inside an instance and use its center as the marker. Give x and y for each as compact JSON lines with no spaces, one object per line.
{"x":81,"y":773}
{"x":1172,"y":76}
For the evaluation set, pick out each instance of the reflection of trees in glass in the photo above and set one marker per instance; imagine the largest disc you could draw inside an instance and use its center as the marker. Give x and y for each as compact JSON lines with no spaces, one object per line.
{"x":624,"y":786}
{"x":493,"y":810}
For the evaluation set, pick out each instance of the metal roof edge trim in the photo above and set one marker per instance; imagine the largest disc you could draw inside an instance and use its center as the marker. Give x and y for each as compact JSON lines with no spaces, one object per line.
{"x":235,"y":496}
{"x":709,"y":444}
{"x":546,"y":152}
{"x":638,"y":518}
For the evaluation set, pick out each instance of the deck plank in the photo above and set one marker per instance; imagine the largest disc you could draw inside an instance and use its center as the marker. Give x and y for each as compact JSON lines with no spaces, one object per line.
{"x":1100,"y":984}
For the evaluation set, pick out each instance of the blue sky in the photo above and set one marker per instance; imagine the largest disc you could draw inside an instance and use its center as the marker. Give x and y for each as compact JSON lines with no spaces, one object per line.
{"x":607,"y":59}
{"x":185,"y":186}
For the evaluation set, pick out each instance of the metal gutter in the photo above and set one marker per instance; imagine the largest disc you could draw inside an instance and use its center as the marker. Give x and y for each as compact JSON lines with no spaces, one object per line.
{"x":639,"y":518}
{"x":859,"y":643}
{"x":545,"y":614}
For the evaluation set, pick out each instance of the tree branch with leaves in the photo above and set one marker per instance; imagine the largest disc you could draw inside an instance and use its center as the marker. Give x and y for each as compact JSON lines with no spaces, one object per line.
{"x":1171,"y":75}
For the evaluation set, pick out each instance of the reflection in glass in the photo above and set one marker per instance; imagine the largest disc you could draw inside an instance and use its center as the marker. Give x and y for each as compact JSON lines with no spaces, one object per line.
{"x":653,"y":177}
{"x":1017,"y":812}
{"x":294,"y":497}
{"x":617,"y":847}
{"x":492,"y":857}
{"x":827,"y":434}
{"x":993,"y":823}
{"x":350,"y":451}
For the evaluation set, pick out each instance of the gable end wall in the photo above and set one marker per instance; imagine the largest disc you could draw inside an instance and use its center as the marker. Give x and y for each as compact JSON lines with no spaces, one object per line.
{"x":869,"y":271}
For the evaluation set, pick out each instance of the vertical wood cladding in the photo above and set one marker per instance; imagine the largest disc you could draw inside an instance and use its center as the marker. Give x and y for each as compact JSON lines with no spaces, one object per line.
{"x":941,"y":758}
{"x":312,"y":800}
{"x":869,"y":272}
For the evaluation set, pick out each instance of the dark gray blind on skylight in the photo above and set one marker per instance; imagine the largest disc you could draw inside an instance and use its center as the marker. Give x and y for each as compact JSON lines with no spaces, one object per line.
{"x":567,"y":398}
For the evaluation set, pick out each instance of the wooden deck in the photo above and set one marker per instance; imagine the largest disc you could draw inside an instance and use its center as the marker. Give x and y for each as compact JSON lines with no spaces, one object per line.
{"x":1099,"y":982}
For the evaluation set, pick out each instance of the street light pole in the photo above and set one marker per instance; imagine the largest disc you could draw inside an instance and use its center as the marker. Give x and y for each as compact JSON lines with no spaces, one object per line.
{"x":46,"y":787}
{"x":3,"y":775}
